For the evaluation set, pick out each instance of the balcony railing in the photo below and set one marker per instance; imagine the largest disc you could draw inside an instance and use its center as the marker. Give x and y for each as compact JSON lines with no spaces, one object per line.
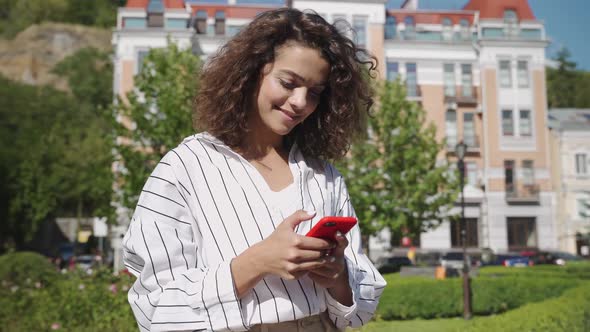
{"x":461,"y":95}
{"x":472,"y":142}
{"x":523,"y":194}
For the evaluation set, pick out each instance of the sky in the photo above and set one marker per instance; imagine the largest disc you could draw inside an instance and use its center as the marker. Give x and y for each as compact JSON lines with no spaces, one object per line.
{"x":566,"y":22}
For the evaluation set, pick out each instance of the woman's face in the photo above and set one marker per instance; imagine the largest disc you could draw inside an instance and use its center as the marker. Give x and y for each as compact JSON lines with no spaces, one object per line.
{"x":290,"y":88}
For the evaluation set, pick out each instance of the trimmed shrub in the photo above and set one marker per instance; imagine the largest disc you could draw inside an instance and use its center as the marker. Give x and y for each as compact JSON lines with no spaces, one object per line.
{"x":570,"y":312}
{"x":427,"y":298}
{"x":573,"y":270}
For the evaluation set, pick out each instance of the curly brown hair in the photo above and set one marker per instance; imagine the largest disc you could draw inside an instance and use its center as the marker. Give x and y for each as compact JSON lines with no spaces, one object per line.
{"x":230,"y":79}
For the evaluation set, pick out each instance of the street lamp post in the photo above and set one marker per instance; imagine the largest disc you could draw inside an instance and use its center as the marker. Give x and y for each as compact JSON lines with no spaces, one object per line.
{"x":460,"y":150}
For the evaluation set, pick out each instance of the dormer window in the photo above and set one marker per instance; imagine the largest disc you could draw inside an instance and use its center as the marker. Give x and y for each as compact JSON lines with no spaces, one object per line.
{"x":465,"y":33}
{"x":510,"y":22}
{"x":201,"y":22}
{"x":155,"y":14}
{"x":447,"y":31}
{"x":220,"y":23}
{"x":510,"y":16}
{"x":410,"y":24}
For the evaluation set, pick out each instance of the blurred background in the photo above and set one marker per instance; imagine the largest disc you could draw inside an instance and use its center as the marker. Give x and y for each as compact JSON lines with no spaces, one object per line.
{"x":474,"y":178}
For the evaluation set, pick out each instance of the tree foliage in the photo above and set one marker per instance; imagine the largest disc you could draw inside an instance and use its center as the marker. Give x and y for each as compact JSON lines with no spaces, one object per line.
{"x":17,"y":15}
{"x":567,"y":87}
{"x":55,"y":149}
{"x":393,"y":175}
{"x":155,"y":116}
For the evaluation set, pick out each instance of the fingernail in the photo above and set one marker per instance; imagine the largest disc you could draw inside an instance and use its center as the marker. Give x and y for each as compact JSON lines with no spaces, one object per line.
{"x":339,"y":233}
{"x":310,"y":212}
{"x":332,"y":259}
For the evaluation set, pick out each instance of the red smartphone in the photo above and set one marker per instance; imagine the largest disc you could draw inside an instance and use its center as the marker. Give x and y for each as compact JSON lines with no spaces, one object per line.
{"x":327,"y":226}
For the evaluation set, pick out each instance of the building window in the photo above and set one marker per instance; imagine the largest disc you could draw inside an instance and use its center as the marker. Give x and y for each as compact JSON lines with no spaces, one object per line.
{"x":525,"y":123}
{"x":471,"y":173}
{"x":411,"y":80}
{"x":583,"y":208}
{"x":509,"y":176}
{"x":447,"y":26}
{"x":201,"y":22}
{"x":176,"y":23}
{"x":465,"y":33}
{"x":359,"y":24}
{"x":522,"y":233}
{"x":134,"y":23}
{"x":449,"y":79}
{"x":392,"y":71}
{"x":528,"y":172}
{"x":505,"y":74}
{"x":469,"y":130}
{"x":390,"y":27}
{"x":220,"y":23}
{"x":507,"y":123}
{"x":466,"y":81}
{"x":523,"y":73}
{"x":451,"y":128}
{"x":140,"y":59}
{"x":410,"y":32}
{"x":581,"y":164}
{"x":471,"y":239}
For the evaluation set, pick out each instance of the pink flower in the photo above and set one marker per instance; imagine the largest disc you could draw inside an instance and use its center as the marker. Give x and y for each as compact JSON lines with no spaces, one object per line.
{"x":38,"y":284}
{"x":125,"y":288}
{"x":55,"y":326}
{"x":81,"y":287}
{"x":113,"y":288}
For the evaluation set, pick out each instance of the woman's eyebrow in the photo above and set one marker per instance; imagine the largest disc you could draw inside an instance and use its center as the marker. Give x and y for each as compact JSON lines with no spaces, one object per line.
{"x":299,"y":78}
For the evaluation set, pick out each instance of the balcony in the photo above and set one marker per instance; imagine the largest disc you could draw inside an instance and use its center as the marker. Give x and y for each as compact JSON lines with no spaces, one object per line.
{"x":522,"y":194}
{"x":461,"y":95}
{"x":472,"y":142}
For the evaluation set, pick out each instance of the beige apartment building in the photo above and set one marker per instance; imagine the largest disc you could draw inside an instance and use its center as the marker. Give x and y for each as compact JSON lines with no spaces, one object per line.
{"x":478,"y":71}
{"x":570,"y":153}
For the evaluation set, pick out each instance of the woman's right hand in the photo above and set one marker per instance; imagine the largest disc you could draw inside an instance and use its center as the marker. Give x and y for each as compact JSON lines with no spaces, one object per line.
{"x":284,"y":253}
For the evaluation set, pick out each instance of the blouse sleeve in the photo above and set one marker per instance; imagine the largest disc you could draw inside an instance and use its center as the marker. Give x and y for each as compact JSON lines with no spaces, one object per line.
{"x":364,"y":279}
{"x":161,"y":249}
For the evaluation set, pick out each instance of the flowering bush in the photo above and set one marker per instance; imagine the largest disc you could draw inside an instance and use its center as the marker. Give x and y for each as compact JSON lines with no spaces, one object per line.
{"x":74,"y":301}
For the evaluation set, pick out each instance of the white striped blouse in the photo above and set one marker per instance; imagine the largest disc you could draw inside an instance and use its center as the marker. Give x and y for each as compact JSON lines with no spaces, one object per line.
{"x":202,"y":206}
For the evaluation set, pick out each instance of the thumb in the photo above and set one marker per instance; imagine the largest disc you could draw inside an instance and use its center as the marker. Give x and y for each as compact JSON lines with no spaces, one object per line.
{"x":296,"y":218}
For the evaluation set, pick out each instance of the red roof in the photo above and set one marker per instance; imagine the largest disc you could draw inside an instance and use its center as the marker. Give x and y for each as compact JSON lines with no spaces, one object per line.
{"x":495,"y":9}
{"x":430,"y":17}
{"x":168,"y":4}
{"x":231,"y":11}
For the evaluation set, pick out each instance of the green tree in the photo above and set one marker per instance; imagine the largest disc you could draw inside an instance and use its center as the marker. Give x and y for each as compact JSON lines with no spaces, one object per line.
{"x":56,"y":148}
{"x":156,"y":115}
{"x":394,"y":176}
{"x":561,"y":81}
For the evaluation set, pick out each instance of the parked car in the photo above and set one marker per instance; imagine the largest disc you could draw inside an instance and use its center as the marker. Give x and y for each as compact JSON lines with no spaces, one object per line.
{"x":394,"y":264}
{"x":511,"y":259}
{"x":84,"y":262}
{"x":454,"y":260}
{"x":550,"y":257}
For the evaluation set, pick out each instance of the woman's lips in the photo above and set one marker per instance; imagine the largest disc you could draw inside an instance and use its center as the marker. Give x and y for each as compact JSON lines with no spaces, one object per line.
{"x":288,"y":115}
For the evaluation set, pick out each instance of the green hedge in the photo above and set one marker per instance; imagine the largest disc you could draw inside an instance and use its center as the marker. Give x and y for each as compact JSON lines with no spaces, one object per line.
{"x":573,"y":270}
{"x":73,"y":301}
{"x":428,"y":298}
{"x":570,"y":312}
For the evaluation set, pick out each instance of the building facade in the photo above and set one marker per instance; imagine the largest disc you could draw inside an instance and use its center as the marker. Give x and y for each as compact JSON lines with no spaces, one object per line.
{"x":478,"y":71}
{"x":570,"y":152}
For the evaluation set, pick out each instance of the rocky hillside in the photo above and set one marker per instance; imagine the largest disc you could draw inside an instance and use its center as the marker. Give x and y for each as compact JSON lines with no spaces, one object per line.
{"x":31,"y":55}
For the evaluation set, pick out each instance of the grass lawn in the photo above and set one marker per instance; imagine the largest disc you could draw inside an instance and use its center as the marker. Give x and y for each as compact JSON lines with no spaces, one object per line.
{"x":418,"y":325}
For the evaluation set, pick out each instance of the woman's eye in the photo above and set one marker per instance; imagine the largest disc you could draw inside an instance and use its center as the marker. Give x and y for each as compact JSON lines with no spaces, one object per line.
{"x":287,"y":85}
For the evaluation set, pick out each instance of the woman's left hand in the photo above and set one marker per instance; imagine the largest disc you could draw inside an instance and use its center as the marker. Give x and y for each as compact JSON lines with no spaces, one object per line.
{"x":333,"y":274}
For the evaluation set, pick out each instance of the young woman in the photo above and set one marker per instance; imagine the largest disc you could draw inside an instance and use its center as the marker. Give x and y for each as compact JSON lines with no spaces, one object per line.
{"x":218,"y":237}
